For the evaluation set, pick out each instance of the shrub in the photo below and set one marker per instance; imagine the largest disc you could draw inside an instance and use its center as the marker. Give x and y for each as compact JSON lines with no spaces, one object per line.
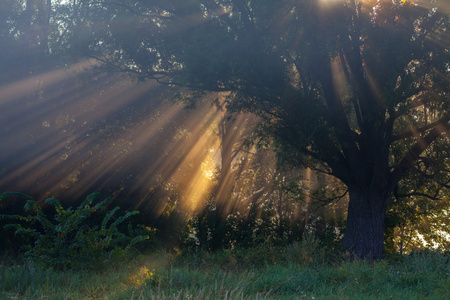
{"x":74,"y":238}
{"x":11,"y":244}
{"x":306,"y":252}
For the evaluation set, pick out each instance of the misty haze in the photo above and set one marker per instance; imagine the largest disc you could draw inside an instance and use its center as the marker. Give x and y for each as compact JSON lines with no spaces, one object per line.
{"x":224,"y":136}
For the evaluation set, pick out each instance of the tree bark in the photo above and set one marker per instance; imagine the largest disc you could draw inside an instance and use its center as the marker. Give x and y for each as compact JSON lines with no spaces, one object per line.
{"x":365,"y":223}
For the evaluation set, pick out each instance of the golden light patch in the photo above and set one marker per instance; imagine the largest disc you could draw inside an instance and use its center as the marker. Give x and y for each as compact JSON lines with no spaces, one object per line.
{"x":200,"y":183}
{"x":143,"y":276}
{"x":210,"y":163}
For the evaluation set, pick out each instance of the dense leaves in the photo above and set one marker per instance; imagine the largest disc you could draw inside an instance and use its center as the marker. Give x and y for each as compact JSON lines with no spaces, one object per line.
{"x":87,"y":237}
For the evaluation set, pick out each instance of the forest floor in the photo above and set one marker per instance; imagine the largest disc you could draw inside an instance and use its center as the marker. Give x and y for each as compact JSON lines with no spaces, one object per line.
{"x":242,"y":274}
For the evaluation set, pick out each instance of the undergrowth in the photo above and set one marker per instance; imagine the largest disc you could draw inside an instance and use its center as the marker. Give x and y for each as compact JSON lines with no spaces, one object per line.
{"x":87,"y":237}
{"x":87,"y":253}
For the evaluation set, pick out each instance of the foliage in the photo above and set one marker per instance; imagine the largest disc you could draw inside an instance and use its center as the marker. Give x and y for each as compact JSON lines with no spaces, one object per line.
{"x":87,"y":237}
{"x":264,"y":225}
{"x":416,"y":223}
{"x":309,"y":251}
{"x":11,"y":244}
{"x":207,"y":231}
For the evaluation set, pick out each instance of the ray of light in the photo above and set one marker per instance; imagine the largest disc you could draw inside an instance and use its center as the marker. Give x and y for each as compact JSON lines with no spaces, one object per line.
{"x":98,"y":136}
{"x":12,"y":91}
{"x":197,"y":185}
{"x":222,"y":194}
{"x":59,"y":127}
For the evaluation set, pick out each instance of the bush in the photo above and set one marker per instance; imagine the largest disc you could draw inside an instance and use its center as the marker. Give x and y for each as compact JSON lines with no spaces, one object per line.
{"x":87,"y":237}
{"x":306,"y":252}
{"x":11,"y":244}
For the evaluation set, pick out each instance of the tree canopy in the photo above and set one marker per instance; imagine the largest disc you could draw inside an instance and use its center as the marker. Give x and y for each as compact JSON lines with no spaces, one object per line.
{"x":354,"y":89}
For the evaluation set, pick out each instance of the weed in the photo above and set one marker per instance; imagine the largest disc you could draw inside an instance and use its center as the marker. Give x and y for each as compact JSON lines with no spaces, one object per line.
{"x":74,"y":238}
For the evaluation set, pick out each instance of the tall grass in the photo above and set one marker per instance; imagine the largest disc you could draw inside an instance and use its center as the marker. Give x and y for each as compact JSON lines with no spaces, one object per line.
{"x":34,"y":282}
{"x":235,"y":275}
{"x":345,"y":280}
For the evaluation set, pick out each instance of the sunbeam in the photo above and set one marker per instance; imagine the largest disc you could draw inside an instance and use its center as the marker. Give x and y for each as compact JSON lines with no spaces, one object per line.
{"x":97,"y":135}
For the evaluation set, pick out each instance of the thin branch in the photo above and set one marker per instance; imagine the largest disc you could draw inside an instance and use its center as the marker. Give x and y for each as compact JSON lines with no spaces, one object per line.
{"x":329,"y":200}
{"x":433,"y":178}
{"x":411,"y":133}
{"x":435,"y":197}
{"x":414,"y":152}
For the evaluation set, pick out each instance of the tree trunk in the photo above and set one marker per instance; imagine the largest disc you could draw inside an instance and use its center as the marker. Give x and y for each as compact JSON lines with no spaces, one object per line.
{"x":228,"y":137}
{"x":225,"y":185}
{"x":365,"y":223}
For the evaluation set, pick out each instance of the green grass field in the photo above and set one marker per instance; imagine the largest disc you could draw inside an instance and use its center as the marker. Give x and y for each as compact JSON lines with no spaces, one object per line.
{"x":235,"y":275}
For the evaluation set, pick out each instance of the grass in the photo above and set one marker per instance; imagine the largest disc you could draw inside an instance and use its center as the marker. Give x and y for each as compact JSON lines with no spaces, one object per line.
{"x":236,"y":275}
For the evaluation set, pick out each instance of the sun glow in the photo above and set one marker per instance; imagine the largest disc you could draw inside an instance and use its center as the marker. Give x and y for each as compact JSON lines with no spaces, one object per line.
{"x":210,"y":164}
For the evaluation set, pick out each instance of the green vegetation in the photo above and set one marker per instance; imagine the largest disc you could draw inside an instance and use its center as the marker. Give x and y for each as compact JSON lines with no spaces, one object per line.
{"x":86,"y":237}
{"x":321,"y":171}
{"x":82,"y":253}
{"x":235,"y":275}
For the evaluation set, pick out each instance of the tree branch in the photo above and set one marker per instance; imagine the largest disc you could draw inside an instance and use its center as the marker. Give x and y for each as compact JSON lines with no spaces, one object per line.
{"x":414,"y":152}
{"x":412,"y":133}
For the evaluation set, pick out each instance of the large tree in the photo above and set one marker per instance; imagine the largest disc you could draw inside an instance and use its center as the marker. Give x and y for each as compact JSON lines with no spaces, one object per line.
{"x":360,"y":88}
